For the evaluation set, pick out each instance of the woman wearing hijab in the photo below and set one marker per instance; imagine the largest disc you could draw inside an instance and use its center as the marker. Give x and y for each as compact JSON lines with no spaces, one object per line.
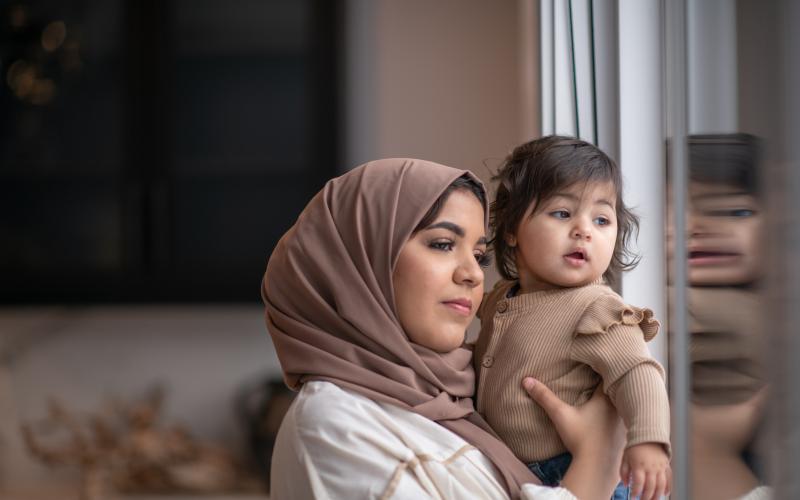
{"x":368,"y":297}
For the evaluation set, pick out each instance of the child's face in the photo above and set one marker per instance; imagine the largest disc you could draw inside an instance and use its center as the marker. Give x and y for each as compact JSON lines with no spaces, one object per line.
{"x":724,"y":241}
{"x":569,"y":240}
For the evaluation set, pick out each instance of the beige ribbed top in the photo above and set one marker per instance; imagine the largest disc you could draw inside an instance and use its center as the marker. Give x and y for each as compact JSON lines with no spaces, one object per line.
{"x":570,"y":339}
{"x":727,"y":334}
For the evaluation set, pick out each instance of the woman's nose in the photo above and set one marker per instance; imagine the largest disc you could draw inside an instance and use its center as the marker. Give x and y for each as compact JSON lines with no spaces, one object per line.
{"x":469,"y":272}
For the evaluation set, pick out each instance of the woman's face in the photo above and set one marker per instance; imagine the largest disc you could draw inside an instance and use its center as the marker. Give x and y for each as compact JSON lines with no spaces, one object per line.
{"x":438,"y":279}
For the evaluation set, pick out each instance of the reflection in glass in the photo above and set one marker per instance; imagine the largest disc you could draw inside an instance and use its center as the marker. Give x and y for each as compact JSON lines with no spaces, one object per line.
{"x":724,"y":235}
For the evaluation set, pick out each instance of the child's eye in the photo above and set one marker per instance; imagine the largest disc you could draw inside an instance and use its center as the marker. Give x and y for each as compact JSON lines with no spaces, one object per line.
{"x":602,"y":221}
{"x":442,"y":245}
{"x":735,"y":212}
{"x":483,"y":259}
{"x":560,"y":214}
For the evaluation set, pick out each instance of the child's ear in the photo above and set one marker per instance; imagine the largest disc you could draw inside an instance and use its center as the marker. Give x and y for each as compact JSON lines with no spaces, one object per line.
{"x":511,"y":240}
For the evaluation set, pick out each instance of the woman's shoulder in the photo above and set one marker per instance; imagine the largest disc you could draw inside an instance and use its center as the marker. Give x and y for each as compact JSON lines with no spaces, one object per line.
{"x":345,"y":414}
{"x":325,"y":403}
{"x":335,"y":443}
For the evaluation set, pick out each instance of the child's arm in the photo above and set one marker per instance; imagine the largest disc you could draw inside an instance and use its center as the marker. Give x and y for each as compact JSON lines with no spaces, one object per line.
{"x":632,"y":379}
{"x":641,"y":399}
{"x":611,"y":339}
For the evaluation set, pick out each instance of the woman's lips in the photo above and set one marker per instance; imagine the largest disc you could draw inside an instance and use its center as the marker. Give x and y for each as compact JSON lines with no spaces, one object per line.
{"x":461,"y":306}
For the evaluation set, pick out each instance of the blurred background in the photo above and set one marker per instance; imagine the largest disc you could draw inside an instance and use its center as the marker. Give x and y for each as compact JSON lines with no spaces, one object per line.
{"x":153,"y":152}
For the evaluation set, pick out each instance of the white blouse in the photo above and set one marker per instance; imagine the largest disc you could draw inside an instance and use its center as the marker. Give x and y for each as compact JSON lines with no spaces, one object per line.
{"x":335,"y":443}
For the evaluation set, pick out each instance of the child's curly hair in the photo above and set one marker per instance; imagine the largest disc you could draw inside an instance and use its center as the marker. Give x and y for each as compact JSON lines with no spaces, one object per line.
{"x":538,"y":169}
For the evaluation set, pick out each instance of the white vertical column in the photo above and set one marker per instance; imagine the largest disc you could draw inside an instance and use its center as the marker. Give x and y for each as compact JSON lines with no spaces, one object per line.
{"x":606,"y":75}
{"x":641,"y":153}
{"x":564,"y":84}
{"x":547,"y":70}
{"x":712,"y":66}
{"x":582,"y":48}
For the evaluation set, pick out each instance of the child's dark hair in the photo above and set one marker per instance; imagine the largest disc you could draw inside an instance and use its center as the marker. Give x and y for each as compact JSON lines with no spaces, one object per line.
{"x":725,"y":159}
{"x":537,"y":170}
{"x":466,"y":183}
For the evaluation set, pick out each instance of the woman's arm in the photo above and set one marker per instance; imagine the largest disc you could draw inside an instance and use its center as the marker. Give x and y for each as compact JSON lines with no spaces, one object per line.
{"x":593,"y":433}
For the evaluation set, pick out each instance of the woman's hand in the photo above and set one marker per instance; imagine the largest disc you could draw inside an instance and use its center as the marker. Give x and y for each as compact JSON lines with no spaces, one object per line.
{"x":593,"y":428}
{"x":592,"y":432}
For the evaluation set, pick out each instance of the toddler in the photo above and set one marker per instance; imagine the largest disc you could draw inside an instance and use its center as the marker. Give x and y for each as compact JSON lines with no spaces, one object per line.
{"x":560,"y":231}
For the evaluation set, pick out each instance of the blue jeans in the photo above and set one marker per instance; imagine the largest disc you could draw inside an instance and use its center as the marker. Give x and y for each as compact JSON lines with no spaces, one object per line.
{"x":552,"y":470}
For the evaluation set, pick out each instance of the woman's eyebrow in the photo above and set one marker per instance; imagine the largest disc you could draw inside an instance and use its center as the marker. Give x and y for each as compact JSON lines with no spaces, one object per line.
{"x":456,"y":229}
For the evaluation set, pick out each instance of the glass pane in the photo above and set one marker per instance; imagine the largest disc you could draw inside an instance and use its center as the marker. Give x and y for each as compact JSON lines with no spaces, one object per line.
{"x":732,"y":86}
{"x":242,"y":89}
{"x":62,"y":88}
{"x":60,"y":227}
{"x":62,"y":140}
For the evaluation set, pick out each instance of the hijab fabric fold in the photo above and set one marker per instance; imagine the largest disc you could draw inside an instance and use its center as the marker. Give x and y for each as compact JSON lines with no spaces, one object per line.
{"x":330,"y":303}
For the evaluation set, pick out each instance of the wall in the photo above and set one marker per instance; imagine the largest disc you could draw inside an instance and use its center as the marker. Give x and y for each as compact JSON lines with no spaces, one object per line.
{"x":203,"y":355}
{"x":437,"y":80}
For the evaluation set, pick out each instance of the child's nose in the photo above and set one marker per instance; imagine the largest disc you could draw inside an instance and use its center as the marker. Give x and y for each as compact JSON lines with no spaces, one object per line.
{"x":582,"y":231}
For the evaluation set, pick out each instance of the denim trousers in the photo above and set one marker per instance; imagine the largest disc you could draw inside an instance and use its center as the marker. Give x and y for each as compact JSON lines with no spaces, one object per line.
{"x":552,"y":470}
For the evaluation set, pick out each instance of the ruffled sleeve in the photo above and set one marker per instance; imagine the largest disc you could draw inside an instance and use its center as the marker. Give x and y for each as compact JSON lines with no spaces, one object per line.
{"x":610,"y":310}
{"x":610,"y":337}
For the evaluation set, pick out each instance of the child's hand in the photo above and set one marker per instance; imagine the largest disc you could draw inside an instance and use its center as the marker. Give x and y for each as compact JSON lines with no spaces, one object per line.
{"x":645,"y":468}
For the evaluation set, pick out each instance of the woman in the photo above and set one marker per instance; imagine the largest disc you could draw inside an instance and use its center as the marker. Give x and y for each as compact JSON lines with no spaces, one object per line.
{"x":368,"y":297}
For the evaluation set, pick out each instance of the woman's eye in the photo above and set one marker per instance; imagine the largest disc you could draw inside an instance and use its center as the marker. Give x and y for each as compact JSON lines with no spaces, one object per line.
{"x":483,"y":259}
{"x":560,"y":214}
{"x":443,"y":245}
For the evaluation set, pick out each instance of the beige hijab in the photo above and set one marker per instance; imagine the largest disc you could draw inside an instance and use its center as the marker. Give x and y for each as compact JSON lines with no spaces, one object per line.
{"x":330,"y":303}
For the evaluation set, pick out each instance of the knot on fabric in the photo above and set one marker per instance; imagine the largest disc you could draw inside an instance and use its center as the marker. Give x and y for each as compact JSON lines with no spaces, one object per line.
{"x":445,"y":407}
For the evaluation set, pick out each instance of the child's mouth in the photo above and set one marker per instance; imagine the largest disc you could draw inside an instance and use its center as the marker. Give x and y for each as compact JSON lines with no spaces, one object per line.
{"x":700,"y":257}
{"x":576,"y":258}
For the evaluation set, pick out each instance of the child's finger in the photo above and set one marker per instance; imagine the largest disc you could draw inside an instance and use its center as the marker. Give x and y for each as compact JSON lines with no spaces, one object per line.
{"x":624,"y":473}
{"x":637,"y":482}
{"x":649,"y":486}
{"x":668,"y":488}
{"x":661,"y":484}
